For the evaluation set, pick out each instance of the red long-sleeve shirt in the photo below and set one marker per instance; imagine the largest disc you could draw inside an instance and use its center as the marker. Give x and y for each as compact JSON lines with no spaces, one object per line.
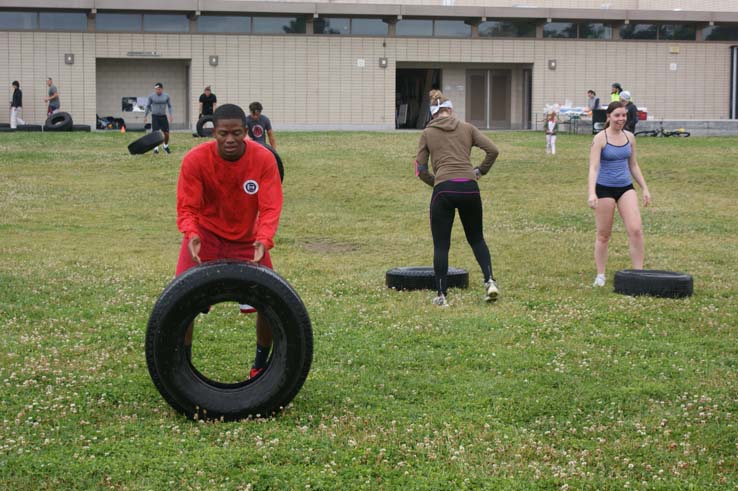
{"x":238,"y":201}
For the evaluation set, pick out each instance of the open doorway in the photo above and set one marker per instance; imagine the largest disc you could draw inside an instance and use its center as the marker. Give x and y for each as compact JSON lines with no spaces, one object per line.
{"x":411,"y":96}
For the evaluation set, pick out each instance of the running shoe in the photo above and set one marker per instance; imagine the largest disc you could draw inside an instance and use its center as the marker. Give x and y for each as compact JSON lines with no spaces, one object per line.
{"x":491,"y":292}
{"x":156,"y":150}
{"x":166,"y":149}
{"x":440,"y":300}
{"x":599,"y":280}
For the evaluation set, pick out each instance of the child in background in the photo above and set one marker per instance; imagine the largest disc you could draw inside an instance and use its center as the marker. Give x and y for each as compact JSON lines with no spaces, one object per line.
{"x":551,"y":127}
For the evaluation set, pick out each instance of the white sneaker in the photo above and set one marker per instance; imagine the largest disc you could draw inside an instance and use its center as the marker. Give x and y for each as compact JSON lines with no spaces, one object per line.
{"x":440,"y":300}
{"x":156,"y":149}
{"x":599,"y":280}
{"x":491,"y":292}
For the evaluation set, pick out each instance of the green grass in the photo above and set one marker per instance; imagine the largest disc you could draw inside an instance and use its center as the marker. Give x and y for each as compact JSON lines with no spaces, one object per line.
{"x":558,"y":386}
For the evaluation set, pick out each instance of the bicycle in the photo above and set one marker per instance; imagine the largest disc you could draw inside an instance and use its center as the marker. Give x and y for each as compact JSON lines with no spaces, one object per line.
{"x":680,"y":132}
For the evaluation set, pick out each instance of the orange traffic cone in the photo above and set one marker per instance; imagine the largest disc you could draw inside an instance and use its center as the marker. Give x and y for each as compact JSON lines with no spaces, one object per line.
{"x":122,"y":129}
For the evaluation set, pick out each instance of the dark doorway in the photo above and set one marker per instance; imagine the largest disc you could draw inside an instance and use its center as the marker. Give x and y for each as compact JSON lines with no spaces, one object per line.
{"x":411,"y":96}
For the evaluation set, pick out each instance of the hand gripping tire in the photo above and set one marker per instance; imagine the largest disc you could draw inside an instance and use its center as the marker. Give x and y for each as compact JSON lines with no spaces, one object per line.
{"x":146,"y":143}
{"x":201,"y":130}
{"x":280,"y":166}
{"x":198,"y":397}
{"x":657,"y":283}
{"x":423,"y":278}
{"x":59,"y":122}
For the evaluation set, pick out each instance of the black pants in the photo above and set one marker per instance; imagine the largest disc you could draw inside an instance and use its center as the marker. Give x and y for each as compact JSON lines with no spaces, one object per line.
{"x":448,"y":197}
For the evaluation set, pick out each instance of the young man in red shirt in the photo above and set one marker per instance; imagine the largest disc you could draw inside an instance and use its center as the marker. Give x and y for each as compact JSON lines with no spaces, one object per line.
{"x":229,"y":198}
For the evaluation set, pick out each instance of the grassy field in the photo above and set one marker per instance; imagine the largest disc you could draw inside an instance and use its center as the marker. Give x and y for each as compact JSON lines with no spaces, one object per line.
{"x":557,"y":386}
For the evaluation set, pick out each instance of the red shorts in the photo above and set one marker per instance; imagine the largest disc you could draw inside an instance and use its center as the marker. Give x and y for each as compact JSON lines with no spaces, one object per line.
{"x":213,"y":248}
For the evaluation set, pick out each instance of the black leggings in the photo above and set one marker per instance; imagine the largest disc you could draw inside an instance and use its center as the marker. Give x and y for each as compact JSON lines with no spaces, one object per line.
{"x":448,"y":197}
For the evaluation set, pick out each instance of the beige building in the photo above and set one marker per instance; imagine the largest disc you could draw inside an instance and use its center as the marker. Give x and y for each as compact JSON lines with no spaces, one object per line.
{"x":369,"y":64}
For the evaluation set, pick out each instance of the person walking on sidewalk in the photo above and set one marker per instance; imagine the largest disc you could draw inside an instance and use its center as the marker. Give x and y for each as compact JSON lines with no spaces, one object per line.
{"x":16,"y":104}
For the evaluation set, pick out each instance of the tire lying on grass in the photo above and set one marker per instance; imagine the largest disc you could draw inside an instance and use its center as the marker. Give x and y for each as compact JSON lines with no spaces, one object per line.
{"x":202,"y":130}
{"x":29,"y":127}
{"x":653,"y":282}
{"x":146,"y":143}
{"x":60,"y":121}
{"x":193,"y":292}
{"x":81,"y":127}
{"x":423,"y":278}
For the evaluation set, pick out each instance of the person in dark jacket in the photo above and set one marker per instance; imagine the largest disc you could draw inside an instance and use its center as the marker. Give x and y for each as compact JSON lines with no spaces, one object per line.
{"x":16,"y":104}
{"x":630,"y":107}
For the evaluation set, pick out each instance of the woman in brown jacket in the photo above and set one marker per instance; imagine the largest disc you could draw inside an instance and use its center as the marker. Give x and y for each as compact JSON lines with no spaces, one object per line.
{"x":448,"y":142}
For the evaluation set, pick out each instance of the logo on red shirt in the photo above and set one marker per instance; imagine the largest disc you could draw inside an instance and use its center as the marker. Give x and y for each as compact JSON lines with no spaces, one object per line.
{"x":251,"y":187}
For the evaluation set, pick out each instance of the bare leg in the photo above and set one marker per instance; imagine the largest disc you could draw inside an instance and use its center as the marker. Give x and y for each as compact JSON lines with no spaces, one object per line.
{"x":604,"y":214}
{"x":166,"y":138}
{"x":628,"y":208}
{"x":263,"y":331}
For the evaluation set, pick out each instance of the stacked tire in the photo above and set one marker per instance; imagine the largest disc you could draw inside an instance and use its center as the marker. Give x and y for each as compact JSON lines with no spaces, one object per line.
{"x":60,"y":121}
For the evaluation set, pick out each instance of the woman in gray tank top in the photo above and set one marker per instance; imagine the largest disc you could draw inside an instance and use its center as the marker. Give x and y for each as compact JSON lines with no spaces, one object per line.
{"x":612,"y":168}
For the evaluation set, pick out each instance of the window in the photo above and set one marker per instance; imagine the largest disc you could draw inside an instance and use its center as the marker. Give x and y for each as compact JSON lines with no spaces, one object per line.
{"x":504,"y":28}
{"x":332,"y":25}
{"x":639,"y":31}
{"x":414,"y":27}
{"x":723,"y":32}
{"x":223,"y":23}
{"x":166,"y":23}
{"x":118,"y":22}
{"x":63,"y":21}
{"x":595,"y":30}
{"x":18,"y":20}
{"x":368,"y":27}
{"x":560,"y":30}
{"x":677,"y":32}
{"x":279,"y":25}
{"x":452,"y":29}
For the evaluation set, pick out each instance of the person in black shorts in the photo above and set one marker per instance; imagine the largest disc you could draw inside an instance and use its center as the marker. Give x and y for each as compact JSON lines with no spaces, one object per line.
{"x":208,"y":102}
{"x":613,"y":167}
{"x":158,"y":104}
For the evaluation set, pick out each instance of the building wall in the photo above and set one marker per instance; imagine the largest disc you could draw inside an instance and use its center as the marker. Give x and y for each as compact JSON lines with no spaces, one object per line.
{"x":31,"y":57}
{"x":317,"y":82}
{"x":118,"y":78}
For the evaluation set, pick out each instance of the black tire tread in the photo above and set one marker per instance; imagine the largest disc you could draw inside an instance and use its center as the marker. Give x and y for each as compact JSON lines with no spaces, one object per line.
{"x":60,"y":121}
{"x":201,"y":130}
{"x":276,"y":386}
{"x":423,"y":278}
{"x":657,"y":283}
{"x":146,"y":143}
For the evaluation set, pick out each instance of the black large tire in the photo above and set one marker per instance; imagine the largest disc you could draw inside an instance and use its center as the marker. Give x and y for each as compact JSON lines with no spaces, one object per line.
{"x":60,"y":121}
{"x":4,"y":125}
{"x":280,"y":166}
{"x":198,"y":397}
{"x":81,"y":127}
{"x":653,"y":282}
{"x":6,"y":129}
{"x":146,"y":143}
{"x":201,"y":130}
{"x":423,"y":278}
{"x":29,"y":127}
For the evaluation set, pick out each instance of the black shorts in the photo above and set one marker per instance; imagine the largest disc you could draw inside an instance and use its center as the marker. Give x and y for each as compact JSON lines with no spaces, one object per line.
{"x":159,"y":123}
{"x":611,"y":192}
